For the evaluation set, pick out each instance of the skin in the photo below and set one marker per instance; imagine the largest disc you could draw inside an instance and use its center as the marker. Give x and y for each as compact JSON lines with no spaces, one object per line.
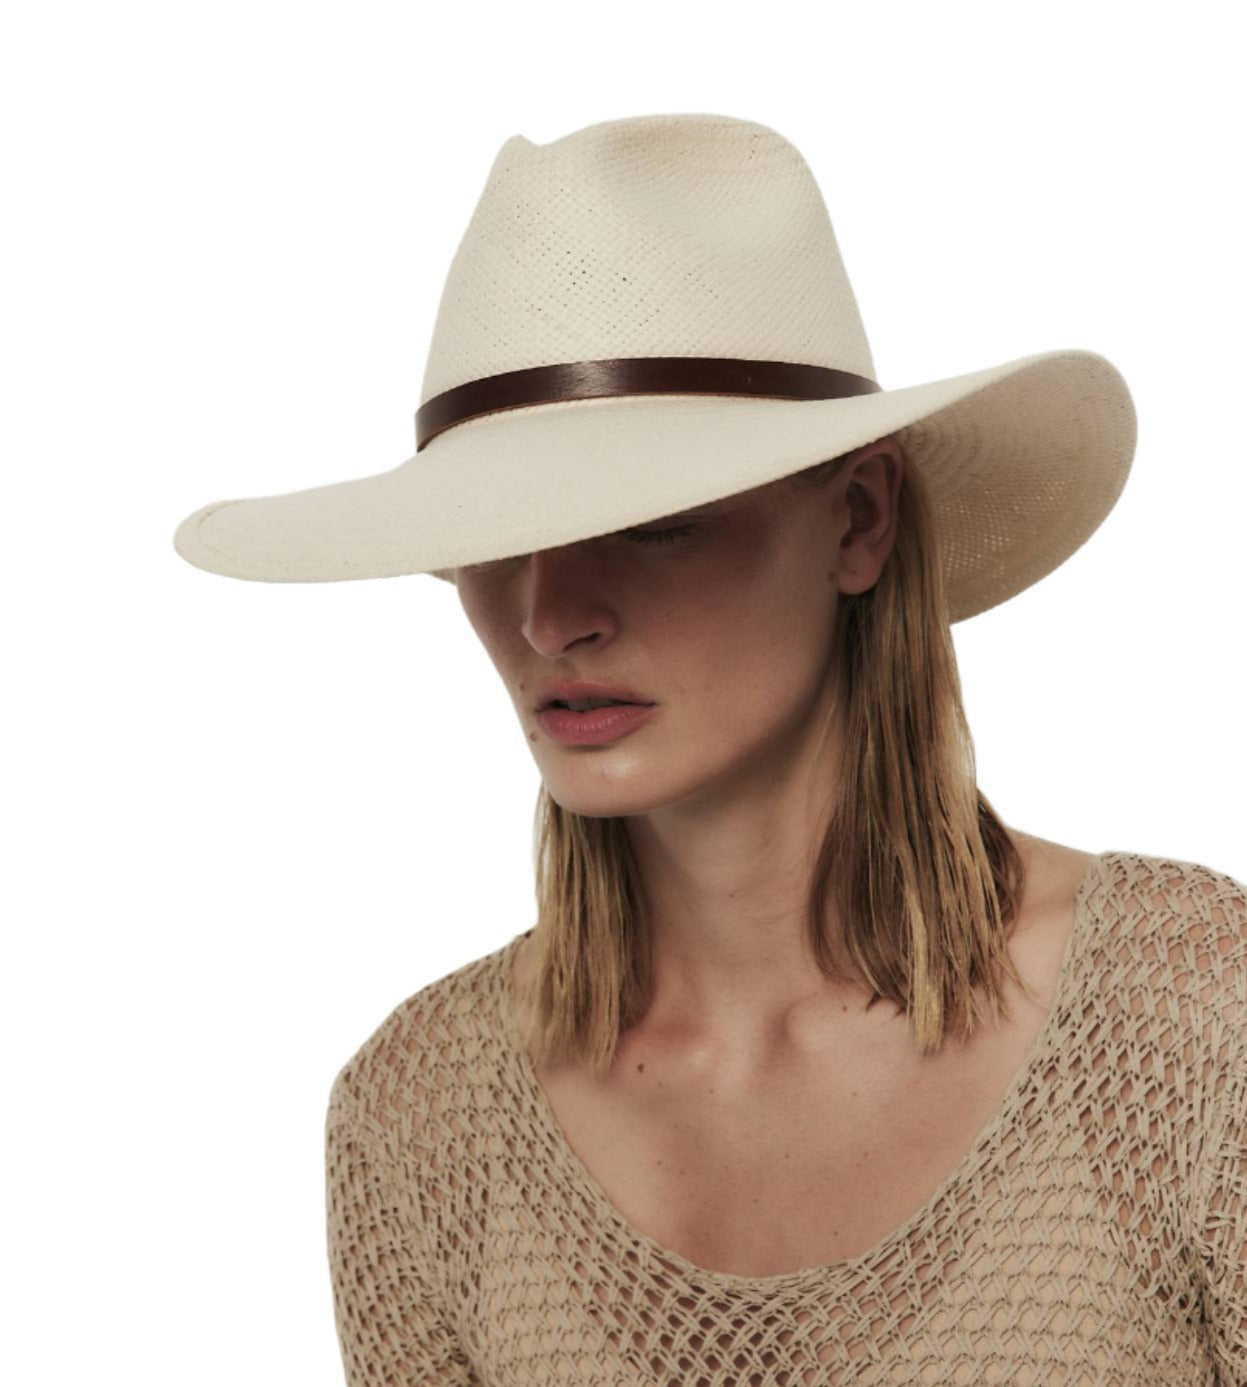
{"x":727,"y":629}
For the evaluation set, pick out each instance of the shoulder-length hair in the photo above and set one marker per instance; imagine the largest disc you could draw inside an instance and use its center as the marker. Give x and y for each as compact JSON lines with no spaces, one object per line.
{"x":923,"y":874}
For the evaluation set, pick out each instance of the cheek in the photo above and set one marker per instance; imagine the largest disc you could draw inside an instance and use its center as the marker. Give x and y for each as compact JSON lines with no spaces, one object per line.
{"x":758,"y":654}
{"x":731,"y":650}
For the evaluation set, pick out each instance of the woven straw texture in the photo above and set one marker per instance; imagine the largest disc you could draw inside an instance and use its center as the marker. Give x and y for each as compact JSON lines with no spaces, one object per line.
{"x":632,"y":238}
{"x":1095,"y":1234}
{"x":684,"y":235}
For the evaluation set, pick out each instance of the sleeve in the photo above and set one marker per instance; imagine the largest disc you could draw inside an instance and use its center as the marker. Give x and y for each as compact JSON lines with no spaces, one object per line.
{"x":1220,"y":1173}
{"x":1221,"y":1231}
{"x":391,"y":1324}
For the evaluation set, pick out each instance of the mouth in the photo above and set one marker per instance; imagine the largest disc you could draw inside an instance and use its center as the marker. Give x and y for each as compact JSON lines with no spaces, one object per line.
{"x":605,"y":723}
{"x":592,"y":705}
{"x":581,"y":695}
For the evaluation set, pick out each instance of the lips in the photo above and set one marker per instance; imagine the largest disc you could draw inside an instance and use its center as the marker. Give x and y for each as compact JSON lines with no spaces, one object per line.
{"x":578,"y":690}
{"x":597,"y":703}
{"x":598,"y":725}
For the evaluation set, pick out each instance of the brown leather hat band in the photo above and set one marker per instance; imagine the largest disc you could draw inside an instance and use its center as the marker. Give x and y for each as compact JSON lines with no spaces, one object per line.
{"x":636,"y":375}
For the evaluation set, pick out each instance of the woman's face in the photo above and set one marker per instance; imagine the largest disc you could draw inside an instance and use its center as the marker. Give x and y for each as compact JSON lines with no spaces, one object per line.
{"x":722,"y":616}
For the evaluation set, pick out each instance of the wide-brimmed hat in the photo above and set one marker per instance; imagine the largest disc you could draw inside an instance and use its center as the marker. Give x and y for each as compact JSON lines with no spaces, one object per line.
{"x":650,"y":314}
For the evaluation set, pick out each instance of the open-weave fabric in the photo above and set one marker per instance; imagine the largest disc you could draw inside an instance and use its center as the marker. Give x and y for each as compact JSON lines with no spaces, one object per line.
{"x":1094,"y":1235}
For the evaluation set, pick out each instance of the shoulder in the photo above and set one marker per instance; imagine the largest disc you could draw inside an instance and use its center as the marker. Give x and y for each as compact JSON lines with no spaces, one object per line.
{"x":416,"y":1056}
{"x":1181,"y":923}
{"x":1148,"y":885}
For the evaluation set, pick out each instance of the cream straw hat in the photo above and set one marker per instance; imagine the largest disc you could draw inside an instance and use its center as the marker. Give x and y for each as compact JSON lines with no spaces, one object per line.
{"x":649,"y":314}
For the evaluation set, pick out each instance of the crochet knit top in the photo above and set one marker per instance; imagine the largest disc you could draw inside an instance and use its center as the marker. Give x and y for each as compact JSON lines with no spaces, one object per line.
{"x":1095,"y":1235}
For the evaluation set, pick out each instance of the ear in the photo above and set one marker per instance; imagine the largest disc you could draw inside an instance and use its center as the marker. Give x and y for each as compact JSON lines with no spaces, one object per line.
{"x":872,"y":490}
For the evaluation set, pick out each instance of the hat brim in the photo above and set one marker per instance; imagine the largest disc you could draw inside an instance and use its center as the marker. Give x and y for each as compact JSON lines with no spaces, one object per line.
{"x":1023,"y":460}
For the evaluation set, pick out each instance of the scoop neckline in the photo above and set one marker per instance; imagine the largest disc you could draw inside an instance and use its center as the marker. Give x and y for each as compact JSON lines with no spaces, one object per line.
{"x":574,"y":1169}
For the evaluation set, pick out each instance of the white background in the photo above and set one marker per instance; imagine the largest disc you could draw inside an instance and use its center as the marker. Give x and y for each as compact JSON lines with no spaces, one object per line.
{"x":245,"y":820}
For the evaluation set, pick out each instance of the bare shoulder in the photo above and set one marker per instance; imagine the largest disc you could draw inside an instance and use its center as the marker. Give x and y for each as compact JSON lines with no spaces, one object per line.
{"x":1054,"y":872}
{"x":1046,"y":915}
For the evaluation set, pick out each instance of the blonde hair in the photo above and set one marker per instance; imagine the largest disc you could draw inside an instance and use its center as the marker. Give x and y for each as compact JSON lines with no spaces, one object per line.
{"x":924,"y":876}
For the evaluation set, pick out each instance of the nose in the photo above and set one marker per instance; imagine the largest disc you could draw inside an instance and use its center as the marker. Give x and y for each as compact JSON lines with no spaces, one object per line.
{"x":564,"y":599}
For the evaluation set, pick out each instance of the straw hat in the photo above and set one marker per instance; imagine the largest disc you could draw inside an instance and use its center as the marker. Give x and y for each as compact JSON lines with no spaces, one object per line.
{"x":650,"y":314}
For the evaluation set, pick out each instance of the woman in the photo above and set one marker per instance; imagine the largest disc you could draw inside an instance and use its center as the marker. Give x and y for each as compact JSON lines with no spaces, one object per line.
{"x":810,"y":1068}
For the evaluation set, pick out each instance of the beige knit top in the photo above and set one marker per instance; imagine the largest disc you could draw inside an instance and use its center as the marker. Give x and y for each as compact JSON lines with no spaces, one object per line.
{"x":1094,"y":1235}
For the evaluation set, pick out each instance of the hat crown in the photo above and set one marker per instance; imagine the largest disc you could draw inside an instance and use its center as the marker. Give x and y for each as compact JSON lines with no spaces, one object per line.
{"x":661,"y":235}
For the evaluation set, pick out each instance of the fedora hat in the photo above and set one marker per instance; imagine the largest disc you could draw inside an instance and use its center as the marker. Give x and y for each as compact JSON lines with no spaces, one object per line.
{"x":650,"y":314}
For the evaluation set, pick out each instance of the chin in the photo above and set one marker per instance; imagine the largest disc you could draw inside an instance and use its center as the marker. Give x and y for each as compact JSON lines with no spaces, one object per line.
{"x":605,"y":799}
{"x":600,"y":806}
